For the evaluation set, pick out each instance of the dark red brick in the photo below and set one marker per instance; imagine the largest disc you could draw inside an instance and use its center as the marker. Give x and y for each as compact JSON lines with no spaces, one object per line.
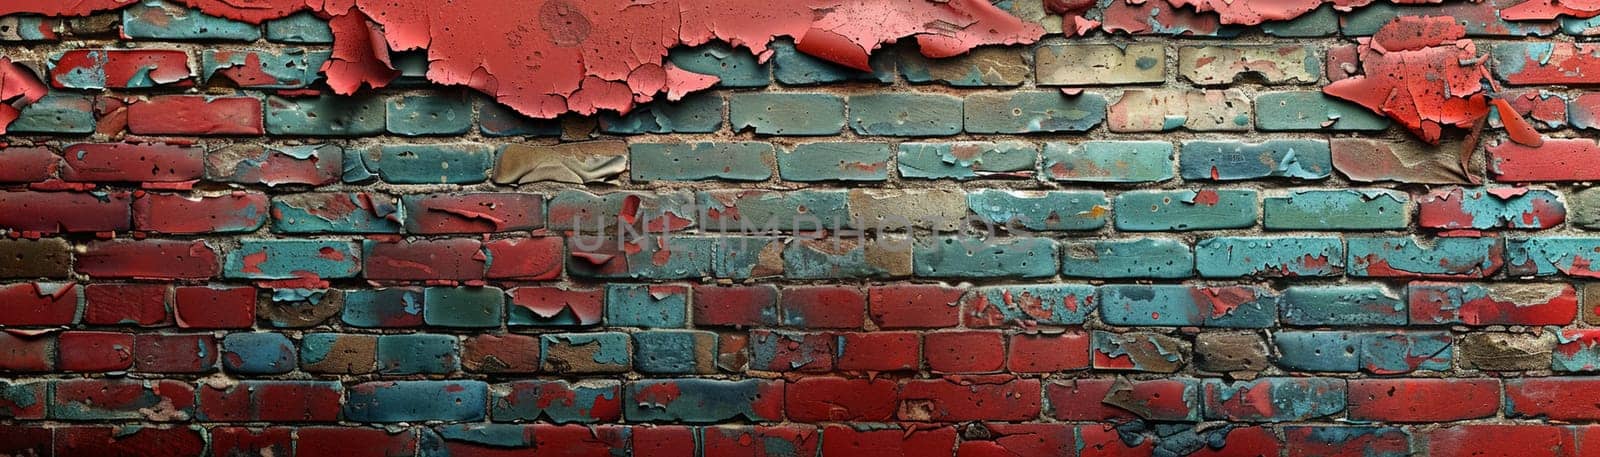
{"x":965,"y":352}
{"x":748,"y":440}
{"x":1155,"y":399}
{"x":28,"y":164}
{"x":26,"y":439}
{"x":121,"y":68}
{"x":997,"y":398}
{"x":149,"y":259}
{"x":71,"y":212}
{"x":526,"y":259}
{"x":39,"y":304}
{"x":849,"y":441}
{"x":459,"y":259}
{"x":142,"y":305}
{"x":1022,"y":439}
{"x":1419,"y":399}
{"x":879,"y":351}
{"x":214,"y":307}
{"x":195,"y":115}
{"x":663,"y":441}
{"x":182,"y":214}
{"x":915,"y":305}
{"x":175,"y":353}
{"x":1494,"y":440}
{"x":354,"y":442}
{"x":252,"y":442}
{"x":130,"y":162}
{"x":128,"y":441}
{"x":27,"y":353}
{"x":840,"y":307}
{"x":1048,"y":353}
{"x":1563,"y":399}
{"x":735,"y":306}
{"x":272,"y":401}
{"x":473,"y":213}
{"x":95,"y":351}
{"x":831,"y":399}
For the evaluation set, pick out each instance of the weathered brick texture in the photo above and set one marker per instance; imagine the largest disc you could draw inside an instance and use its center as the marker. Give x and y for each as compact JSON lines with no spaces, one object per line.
{"x":1161,"y":239}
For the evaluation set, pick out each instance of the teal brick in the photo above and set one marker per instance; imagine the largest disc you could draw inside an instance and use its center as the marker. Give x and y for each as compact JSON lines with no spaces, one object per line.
{"x":1483,"y":208}
{"x":1050,"y":210}
{"x":701,"y":401}
{"x":413,"y":68}
{"x":1319,"y":22}
{"x":1127,"y":258}
{"x":905,"y":114}
{"x":327,"y":115}
{"x":952,"y":257}
{"x":964,"y":160}
{"x":1552,"y":255}
{"x":56,"y":114}
{"x":463,"y":307}
{"x":1033,"y":112}
{"x":418,"y":353}
{"x":1231,"y":257}
{"x":382,"y":308}
{"x":813,"y":162}
{"x":419,"y":115}
{"x":293,"y":259}
{"x":556,"y":401}
{"x":792,"y":67}
{"x":161,"y":20}
{"x":1206,"y":209}
{"x":740,"y":161}
{"x":988,"y":66}
{"x":644,"y":257}
{"x":303,"y":27}
{"x":285,"y":68}
{"x":1370,"y":351}
{"x":771,"y":212}
{"x":314,"y":213}
{"x":741,"y":257}
{"x":647,"y":305}
{"x":30,"y":28}
{"x":1342,"y":305}
{"x":496,"y":120}
{"x":697,"y":113}
{"x":1313,"y":111}
{"x":1029,"y":305}
{"x":833,"y":259}
{"x":1108,"y":161}
{"x":1170,"y":305}
{"x":1290,"y":399}
{"x":1341,"y":209}
{"x":606,"y":352}
{"x":1453,"y":257}
{"x":674,"y":351}
{"x":463,"y":163}
{"x":258,"y":353}
{"x":1233,"y":160}
{"x":787,"y":113}
{"x":734,"y":67}
{"x":417,"y":401}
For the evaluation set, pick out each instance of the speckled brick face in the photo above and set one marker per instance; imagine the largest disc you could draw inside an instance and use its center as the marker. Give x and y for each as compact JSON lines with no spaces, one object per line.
{"x":1251,"y":228}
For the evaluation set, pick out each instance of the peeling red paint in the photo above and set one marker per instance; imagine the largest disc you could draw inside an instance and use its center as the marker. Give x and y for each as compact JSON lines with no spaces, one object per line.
{"x":19,"y":87}
{"x":1533,"y":10}
{"x":1253,"y":12}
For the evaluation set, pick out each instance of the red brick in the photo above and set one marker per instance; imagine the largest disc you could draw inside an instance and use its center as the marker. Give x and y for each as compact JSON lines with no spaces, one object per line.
{"x":915,"y":305}
{"x":508,"y":353}
{"x":792,"y":351}
{"x":965,"y":352}
{"x":122,"y":67}
{"x":878,"y":351}
{"x":174,"y":441}
{"x":1544,"y":109}
{"x":735,"y":306}
{"x":840,"y":307}
{"x":1557,"y":62}
{"x":1563,"y":399}
{"x":558,"y":305}
{"x":182,"y":214}
{"x":142,"y":305}
{"x":129,"y":162}
{"x":1487,"y":440}
{"x":473,"y":213}
{"x":848,"y":441}
{"x":460,"y":259}
{"x":831,"y":399}
{"x":108,"y":399}
{"x":28,"y":164}
{"x":195,"y":115}
{"x":1006,"y":440}
{"x":663,"y":441}
{"x":1419,"y":399}
{"x":1157,"y":399}
{"x":353,"y":442}
{"x":1244,"y":442}
{"x":1103,"y":440}
{"x":95,"y":351}
{"x":72,"y":212}
{"x":1047,"y":353}
{"x":1576,"y":159}
{"x":526,"y":259}
{"x":215,"y":307}
{"x":27,"y":353}
{"x":24,"y":401}
{"x":996,"y":398}
{"x":149,"y":259}
{"x":271,"y":401}
{"x":758,"y":440}
{"x":1492,"y":304}
{"x":252,"y":442}
{"x":177,"y":353}
{"x":26,"y":439}
{"x":39,"y":304}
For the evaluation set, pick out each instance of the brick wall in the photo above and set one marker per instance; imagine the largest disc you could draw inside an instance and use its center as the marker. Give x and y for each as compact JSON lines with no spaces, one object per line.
{"x":210,"y":253}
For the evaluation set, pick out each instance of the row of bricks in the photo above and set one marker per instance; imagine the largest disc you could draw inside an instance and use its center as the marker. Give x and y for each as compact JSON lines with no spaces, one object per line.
{"x":834,"y":440}
{"x":759,"y":212}
{"x":665,"y":352}
{"x":309,"y":263}
{"x":890,"y":306}
{"x":812,"y":399}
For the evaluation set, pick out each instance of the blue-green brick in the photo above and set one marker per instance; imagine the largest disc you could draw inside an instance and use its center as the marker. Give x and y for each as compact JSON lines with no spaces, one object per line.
{"x":325,"y":116}
{"x":698,"y":113}
{"x":556,"y":401}
{"x":1127,"y":258}
{"x":1232,"y":257}
{"x":161,"y":20}
{"x":1337,"y":209}
{"x":293,"y":259}
{"x":740,"y":257}
{"x":417,"y":401}
{"x":1108,"y":161}
{"x":1551,"y":255}
{"x":386,"y":307}
{"x":1233,"y":160}
{"x":812,"y":162}
{"x":258,"y":353}
{"x":419,"y":115}
{"x":1342,"y":305}
{"x":1047,"y":210}
{"x":56,"y":114}
{"x":1451,"y":257}
{"x":418,"y":353}
{"x":287,"y":68}
{"x":1313,"y":111}
{"x":1033,"y":112}
{"x":733,"y":67}
{"x":1206,"y":209}
{"x":674,"y":351}
{"x":905,"y":114}
{"x":792,"y":67}
{"x":955,"y":257}
{"x":770,"y":212}
{"x":1171,"y":305}
{"x":470,"y":307}
{"x":606,"y":352}
{"x":304,"y":27}
{"x":739,"y":161}
{"x":335,"y":212}
{"x":964,"y":160}
{"x":701,"y":401}
{"x":464,"y":163}
{"x":497,"y":120}
{"x":647,"y":305}
{"x":1370,"y":351}
{"x":787,"y":113}
{"x":1049,"y":304}
{"x":833,"y":259}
